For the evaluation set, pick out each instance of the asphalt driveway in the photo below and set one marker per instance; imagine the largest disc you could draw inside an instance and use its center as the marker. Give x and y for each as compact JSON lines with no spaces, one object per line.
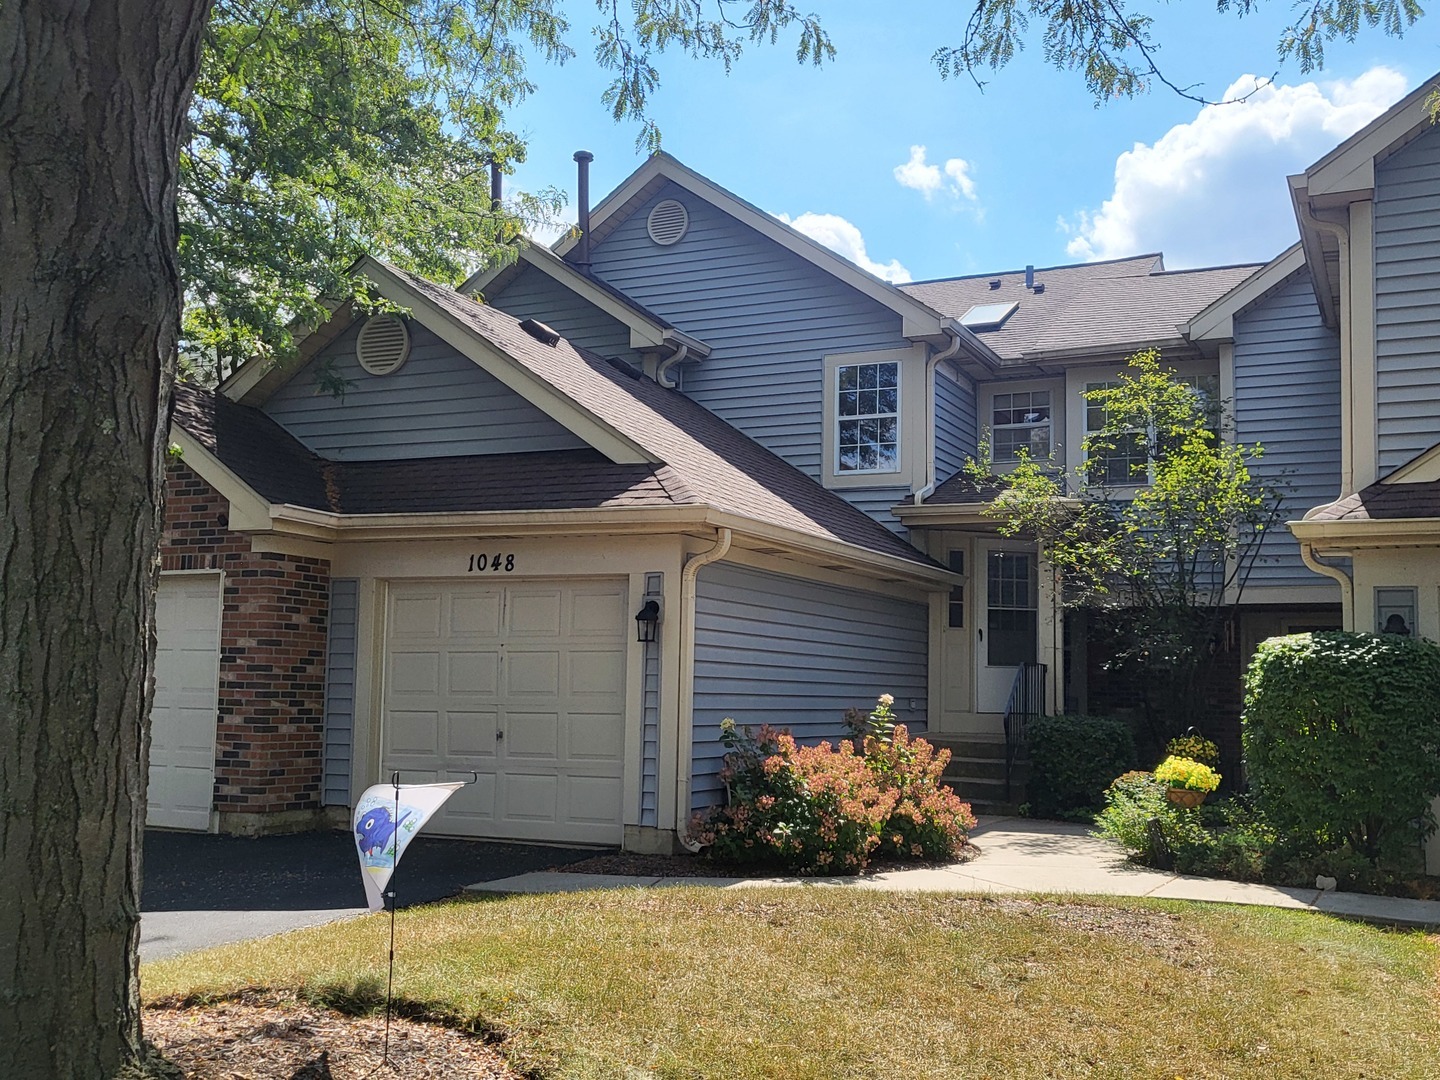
{"x":202,"y":890}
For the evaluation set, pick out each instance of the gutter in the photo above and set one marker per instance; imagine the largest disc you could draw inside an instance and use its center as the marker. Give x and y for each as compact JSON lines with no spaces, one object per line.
{"x":1347,"y":584}
{"x":685,"y":754}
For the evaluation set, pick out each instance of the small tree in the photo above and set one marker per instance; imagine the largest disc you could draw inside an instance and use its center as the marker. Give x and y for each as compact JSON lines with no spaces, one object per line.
{"x":1158,"y":529}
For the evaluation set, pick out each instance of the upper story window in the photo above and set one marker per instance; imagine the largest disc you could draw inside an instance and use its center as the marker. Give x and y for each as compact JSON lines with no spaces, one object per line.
{"x":868,"y":418}
{"x":1020,"y":421}
{"x":1127,"y":461}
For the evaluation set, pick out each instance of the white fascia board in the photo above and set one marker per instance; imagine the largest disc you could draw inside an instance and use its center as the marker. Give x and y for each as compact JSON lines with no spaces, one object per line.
{"x":329,"y":527}
{"x":1368,"y":532}
{"x":256,"y":379}
{"x":1350,"y":167}
{"x":917,"y":320}
{"x":1424,"y":468}
{"x":248,"y":509}
{"x":1217,"y":322}
{"x":561,"y":408}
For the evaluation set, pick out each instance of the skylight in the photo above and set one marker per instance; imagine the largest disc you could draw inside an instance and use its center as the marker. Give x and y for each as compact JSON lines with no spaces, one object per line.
{"x":988,"y":316}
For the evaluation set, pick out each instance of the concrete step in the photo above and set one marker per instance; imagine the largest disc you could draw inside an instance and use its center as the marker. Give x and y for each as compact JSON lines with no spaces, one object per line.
{"x":987,"y":768}
{"x":988,"y":794}
{"x":963,"y":746}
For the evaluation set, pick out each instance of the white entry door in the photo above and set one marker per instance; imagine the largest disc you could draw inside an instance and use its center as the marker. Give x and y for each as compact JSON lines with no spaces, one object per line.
{"x":522,"y":683}
{"x":1007,"y":630}
{"x":182,"y":719}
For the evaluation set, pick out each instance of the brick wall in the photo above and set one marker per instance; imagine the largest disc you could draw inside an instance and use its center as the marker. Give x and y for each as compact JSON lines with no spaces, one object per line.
{"x":270,"y":730}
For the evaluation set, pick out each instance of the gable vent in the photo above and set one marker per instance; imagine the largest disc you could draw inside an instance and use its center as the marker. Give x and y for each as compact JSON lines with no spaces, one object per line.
{"x":668,"y":222}
{"x":383,"y":344}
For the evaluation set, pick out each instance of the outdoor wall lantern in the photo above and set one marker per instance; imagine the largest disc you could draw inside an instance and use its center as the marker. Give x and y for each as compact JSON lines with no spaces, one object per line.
{"x":647,"y":622}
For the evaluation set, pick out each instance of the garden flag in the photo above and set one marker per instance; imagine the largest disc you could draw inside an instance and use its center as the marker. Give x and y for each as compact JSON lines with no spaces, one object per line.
{"x":387,"y":817}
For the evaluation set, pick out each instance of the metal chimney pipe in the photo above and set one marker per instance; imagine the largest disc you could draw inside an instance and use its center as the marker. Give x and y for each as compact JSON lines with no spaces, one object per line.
{"x":1030,"y":276}
{"x":582,"y":199}
{"x":496,"y":185}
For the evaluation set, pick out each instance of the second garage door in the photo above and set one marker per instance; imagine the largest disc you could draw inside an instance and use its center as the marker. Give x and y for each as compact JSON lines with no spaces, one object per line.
{"x":523,"y":683}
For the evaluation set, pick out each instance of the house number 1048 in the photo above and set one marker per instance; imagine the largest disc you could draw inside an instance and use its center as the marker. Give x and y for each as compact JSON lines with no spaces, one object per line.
{"x":500,"y":561}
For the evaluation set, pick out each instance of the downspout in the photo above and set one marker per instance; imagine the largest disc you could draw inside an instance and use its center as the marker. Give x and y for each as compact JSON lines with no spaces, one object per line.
{"x":1347,"y":404}
{"x":685,"y":754}
{"x":1347,"y":584}
{"x":665,"y":365}
{"x":931,"y":366}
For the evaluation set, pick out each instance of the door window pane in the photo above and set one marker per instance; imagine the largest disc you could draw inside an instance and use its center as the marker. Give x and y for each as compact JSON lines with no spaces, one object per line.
{"x":1011,"y":615}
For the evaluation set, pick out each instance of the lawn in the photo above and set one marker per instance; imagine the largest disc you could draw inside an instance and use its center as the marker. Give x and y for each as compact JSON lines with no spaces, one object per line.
{"x":822,"y":983}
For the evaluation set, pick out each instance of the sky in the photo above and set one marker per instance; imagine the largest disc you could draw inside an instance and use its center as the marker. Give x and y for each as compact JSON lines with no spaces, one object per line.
{"x":915,"y":178}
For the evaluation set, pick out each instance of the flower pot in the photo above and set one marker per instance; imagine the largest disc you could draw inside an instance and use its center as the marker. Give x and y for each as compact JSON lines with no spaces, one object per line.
{"x":1185,"y":797}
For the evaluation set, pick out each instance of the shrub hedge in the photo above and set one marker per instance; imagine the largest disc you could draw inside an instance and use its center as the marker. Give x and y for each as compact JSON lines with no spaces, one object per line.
{"x":1073,"y":759}
{"x":1342,"y":740}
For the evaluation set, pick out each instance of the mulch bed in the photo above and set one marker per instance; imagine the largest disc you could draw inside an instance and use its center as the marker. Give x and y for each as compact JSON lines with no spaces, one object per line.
{"x":266,"y":1036}
{"x":691,"y":866}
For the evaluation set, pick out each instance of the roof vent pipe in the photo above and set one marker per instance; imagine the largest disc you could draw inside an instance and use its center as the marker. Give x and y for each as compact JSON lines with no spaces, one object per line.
{"x":497,"y":192}
{"x":1030,"y":276}
{"x":582,"y":198}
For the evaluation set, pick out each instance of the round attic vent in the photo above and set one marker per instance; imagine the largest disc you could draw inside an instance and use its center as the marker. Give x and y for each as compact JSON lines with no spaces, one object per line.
{"x":383,"y":344}
{"x":668,"y":222}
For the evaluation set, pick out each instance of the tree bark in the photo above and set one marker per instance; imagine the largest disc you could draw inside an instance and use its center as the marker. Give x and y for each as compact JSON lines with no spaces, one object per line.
{"x":93,"y":96}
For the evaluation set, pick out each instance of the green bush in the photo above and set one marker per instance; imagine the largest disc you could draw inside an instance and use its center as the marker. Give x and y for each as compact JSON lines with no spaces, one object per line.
{"x":1342,"y":740}
{"x":1229,"y":840}
{"x":1073,"y":759}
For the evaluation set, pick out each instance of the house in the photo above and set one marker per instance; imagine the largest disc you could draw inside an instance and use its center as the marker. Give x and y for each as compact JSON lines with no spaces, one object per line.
{"x":552,"y":527}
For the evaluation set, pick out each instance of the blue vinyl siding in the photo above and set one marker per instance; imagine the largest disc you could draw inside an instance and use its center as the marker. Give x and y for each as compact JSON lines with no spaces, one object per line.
{"x":769,"y":317}
{"x":1287,"y":398}
{"x":877,"y":502}
{"x":796,"y":654}
{"x":1407,"y":301}
{"x":439,"y":404}
{"x":956,"y":424}
{"x":340,"y":691}
{"x":535,"y":295}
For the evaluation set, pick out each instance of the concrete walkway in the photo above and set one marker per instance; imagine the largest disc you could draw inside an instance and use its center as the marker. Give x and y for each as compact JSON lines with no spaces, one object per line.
{"x":1018,"y":855}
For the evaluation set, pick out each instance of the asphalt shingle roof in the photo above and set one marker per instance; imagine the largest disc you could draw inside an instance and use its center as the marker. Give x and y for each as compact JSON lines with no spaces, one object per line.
{"x":283,"y":471}
{"x":1122,"y":304}
{"x":716,"y":464}
{"x":1384,"y":502}
{"x":702,"y":460}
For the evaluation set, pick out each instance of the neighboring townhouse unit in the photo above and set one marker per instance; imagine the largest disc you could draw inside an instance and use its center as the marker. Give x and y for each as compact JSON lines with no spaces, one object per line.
{"x":689,"y":464}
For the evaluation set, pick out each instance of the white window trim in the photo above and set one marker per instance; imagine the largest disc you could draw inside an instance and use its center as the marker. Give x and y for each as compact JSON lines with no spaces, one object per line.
{"x":1079,"y":378}
{"x":1058,"y":412}
{"x":910,"y":421}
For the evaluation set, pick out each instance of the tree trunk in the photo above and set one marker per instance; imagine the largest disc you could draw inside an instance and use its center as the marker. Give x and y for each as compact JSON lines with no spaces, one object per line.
{"x":93,"y":95}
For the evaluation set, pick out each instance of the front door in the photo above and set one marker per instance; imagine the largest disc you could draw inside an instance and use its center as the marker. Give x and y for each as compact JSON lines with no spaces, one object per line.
{"x":1007,"y":627}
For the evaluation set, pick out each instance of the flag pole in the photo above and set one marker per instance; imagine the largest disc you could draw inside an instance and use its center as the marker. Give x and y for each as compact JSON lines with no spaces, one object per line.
{"x":390,"y":979}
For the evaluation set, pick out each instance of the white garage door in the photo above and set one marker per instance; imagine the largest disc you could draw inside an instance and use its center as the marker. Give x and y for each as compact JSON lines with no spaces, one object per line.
{"x":523,"y":683}
{"x":182,"y":720}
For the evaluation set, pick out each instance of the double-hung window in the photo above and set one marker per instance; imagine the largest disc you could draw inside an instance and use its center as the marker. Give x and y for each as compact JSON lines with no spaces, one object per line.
{"x":1128,"y":457}
{"x":1020,"y":421}
{"x":867,"y":418}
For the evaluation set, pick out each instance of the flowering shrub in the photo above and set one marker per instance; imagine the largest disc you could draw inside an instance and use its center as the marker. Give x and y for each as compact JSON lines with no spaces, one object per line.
{"x":829,"y":809}
{"x":1179,"y":772}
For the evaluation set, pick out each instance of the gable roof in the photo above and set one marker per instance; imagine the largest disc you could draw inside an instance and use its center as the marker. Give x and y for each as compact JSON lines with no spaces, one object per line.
{"x":1323,"y":192}
{"x":1086,"y":308}
{"x":693,"y":458}
{"x":1217,"y":322}
{"x":647,"y":329}
{"x":283,"y":471}
{"x":918,"y":320}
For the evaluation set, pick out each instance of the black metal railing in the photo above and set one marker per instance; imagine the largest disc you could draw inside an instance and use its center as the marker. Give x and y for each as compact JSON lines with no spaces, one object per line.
{"x":1027,"y":699}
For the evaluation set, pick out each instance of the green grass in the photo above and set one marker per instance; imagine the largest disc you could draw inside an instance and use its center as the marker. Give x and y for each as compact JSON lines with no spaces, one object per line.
{"x":820,"y":982}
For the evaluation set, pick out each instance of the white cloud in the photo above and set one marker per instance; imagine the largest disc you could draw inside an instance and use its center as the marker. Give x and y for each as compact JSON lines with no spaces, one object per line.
{"x":929,"y":180}
{"x":1213,"y":190}
{"x":843,"y":238}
